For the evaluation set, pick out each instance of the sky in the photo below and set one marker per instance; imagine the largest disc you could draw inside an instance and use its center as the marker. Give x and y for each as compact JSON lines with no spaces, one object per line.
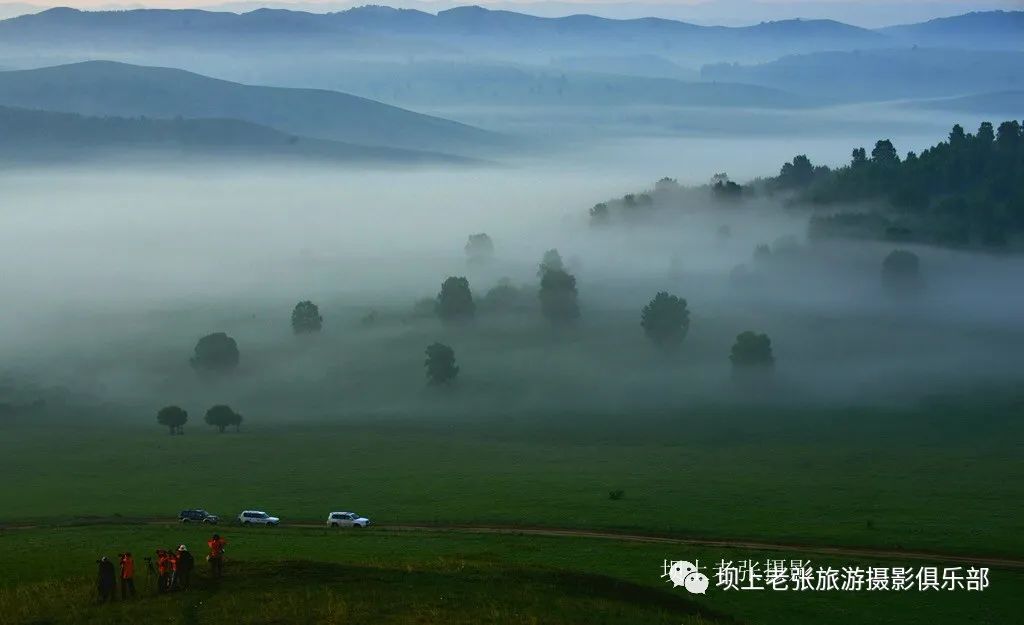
{"x":868,"y":13}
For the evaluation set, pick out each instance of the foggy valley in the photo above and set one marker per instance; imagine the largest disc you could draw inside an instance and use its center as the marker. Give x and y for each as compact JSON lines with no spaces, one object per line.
{"x":544,"y":297}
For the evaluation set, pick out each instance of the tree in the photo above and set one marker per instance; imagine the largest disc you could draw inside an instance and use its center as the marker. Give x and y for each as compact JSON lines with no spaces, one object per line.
{"x":216,"y":352}
{"x":599,"y":214}
{"x":552,"y":260}
{"x":306,"y":318}
{"x":440,"y":364}
{"x":221,"y":416}
{"x":665,"y":320}
{"x":455,"y":301}
{"x":479,"y":248}
{"x":558,"y":296}
{"x":901,"y":273}
{"x":505,"y":297}
{"x":799,"y":173}
{"x":751,"y":350}
{"x":884,"y":154}
{"x":173,"y":417}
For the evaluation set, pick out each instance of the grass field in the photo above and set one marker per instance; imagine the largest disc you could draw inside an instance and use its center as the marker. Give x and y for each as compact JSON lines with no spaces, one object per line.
{"x":838,"y":485}
{"x":305,"y":575}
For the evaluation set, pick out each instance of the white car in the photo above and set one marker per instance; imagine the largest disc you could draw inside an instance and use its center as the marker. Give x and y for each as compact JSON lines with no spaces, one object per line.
{"x":346,"y":519}
{"x":257,"y":517}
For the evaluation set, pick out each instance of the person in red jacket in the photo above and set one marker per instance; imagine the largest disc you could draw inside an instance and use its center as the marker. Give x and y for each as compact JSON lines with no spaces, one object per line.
{"x":127,"y":575}
{"x":216,"y":557}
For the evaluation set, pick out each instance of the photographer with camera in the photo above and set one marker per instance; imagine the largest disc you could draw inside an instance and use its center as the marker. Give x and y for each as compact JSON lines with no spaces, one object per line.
{"x":105,"y":581}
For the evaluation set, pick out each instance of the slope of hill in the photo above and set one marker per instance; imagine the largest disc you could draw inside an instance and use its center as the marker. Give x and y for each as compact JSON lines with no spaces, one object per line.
{"x":108,"y":88}
{"x":399,"y":31}
{"x":998,"y":102}
{"x":984,"y":29}
{"x":883,"y":74}
{"x":33,"y":135}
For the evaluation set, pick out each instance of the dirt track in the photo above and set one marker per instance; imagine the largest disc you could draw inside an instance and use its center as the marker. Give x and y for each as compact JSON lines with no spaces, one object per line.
{"x":793,"y":548}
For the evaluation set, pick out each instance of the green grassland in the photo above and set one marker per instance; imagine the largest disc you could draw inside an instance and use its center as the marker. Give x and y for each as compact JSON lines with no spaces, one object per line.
{"x":289,"y":575}
{"x":853,"y":484}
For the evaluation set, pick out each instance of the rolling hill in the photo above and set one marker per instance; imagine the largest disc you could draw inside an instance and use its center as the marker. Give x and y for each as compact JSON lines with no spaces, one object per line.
{"x":981,"y":29}
{"x":34,"y":136}
{"x":462,"y":30}
{"x":875,"y":75}
{"x":115,"y":89}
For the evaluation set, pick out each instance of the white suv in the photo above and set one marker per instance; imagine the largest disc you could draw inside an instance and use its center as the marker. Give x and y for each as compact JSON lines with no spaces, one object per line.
{"x":347,"y":519}
{"x":257,"y":517}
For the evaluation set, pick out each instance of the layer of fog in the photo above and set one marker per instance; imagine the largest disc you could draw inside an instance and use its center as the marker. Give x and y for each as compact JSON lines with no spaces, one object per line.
{"x":111,"y":276}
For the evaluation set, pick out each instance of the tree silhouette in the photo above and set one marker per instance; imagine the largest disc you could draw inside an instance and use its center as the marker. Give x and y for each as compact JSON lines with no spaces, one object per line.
{"x":552,"y":261}
{"x":222,"y":416}
{"x":558,"y":296}
{"x":173,"y":417}
{"x":455,"y":301}
{"x":440,"y":364}
{"x":665,"y":320}
{"x":901,"y":273}
{"x":216,"y":352}
{"x":479,"y":248}
{"x":752,"y":350}
{"x":306,"y":318}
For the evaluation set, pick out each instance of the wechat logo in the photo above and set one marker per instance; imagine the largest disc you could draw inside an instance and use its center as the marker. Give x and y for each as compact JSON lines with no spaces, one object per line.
{"x":685,"y":574}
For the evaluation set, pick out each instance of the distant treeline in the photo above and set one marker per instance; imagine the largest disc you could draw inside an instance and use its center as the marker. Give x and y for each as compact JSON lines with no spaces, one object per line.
{"x":967,"y":191}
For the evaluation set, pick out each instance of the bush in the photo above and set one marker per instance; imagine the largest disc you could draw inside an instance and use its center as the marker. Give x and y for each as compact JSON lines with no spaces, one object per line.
{"x":440,"y":365}
{"x":665,"y":320}
{"x":216,"y":352}
{"x":173,"y":418}
{"x":306,"y":318}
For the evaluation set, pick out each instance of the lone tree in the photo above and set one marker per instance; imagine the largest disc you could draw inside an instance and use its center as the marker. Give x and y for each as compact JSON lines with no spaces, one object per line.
{"x":216,"y":352}
{"x":479,"y":248}
{"x":666,"y":320}
{"x":752,"y":350}
{"x":440,"y":364}
{"x":455,"y":301}
{"x":558,"y":296}
{"x":173,"y":417}
{"x":552,"y":261}
{"x":306,"y":318}
{"x":901,"y":273}
{"x":221,"y":416}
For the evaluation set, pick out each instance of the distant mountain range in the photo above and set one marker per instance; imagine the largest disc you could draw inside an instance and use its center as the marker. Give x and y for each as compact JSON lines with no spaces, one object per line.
{"x":469,"y":28}
{"x":456,"y":31}
{"x":31,"y":136}
{"x":103,"y":88}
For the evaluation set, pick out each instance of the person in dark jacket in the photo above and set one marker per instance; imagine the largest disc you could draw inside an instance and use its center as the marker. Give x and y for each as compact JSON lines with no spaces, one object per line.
{"x":106,"y":581}
{"x":185,"y":565}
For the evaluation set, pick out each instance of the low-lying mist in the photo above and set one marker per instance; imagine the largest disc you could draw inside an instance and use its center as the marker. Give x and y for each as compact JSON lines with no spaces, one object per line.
{"x":112,"y":275}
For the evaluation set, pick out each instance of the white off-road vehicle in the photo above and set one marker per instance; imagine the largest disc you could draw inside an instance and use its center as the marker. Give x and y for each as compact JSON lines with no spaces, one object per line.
{"x":346,"y":519}
{"x":257,"y":517}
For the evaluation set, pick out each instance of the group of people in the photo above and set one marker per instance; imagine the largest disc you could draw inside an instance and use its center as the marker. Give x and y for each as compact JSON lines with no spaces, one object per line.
{"x":172,"y":569}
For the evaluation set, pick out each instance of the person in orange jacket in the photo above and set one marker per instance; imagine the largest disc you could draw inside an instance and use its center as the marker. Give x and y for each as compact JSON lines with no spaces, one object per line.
{"x":127,"y":575}
{"x":163,"y":571}
{"x":216,"y":557}
{"x":172,"y":566}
